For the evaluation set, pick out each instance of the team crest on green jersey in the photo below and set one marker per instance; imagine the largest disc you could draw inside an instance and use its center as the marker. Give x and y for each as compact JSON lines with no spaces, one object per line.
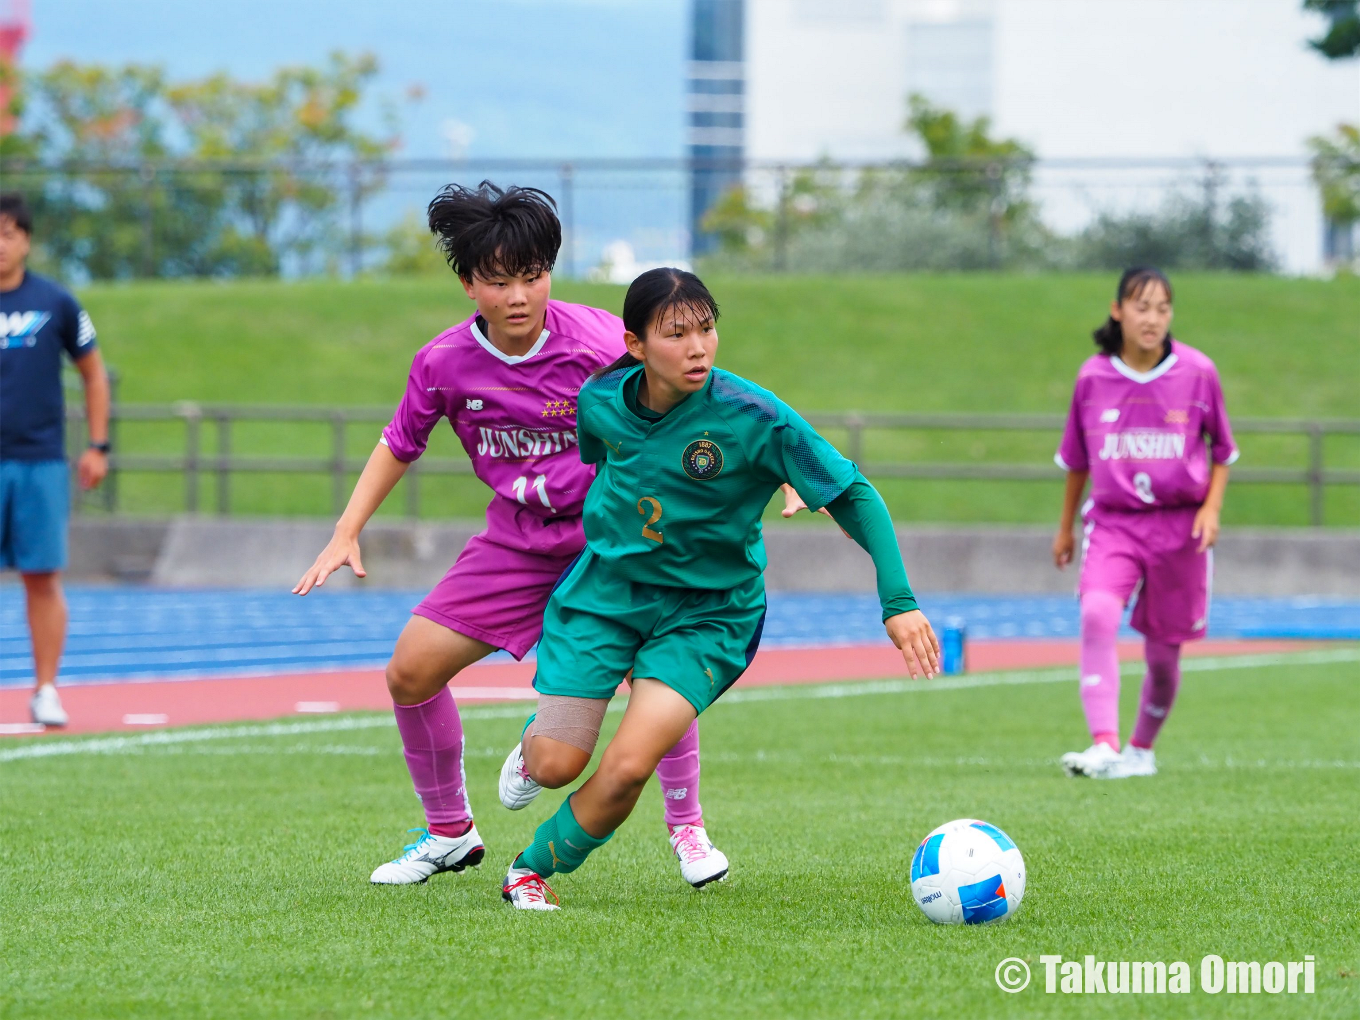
{"x":702,"y":460}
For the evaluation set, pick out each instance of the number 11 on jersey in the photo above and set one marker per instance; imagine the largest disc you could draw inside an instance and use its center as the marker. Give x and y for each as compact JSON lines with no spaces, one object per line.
{"x":540,"y":486}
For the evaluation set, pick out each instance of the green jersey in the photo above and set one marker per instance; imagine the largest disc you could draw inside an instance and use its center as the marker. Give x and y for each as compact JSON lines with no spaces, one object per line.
{"x":677,"y":500}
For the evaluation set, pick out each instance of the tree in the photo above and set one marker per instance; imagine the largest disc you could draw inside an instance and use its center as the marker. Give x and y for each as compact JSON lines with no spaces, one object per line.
{"x":132,"y":176}
{"x":965,"y":166}
{"x":1342,"y":38}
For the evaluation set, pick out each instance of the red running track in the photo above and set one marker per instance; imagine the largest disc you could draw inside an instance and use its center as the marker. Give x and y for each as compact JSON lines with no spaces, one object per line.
{"x":147,"y":704}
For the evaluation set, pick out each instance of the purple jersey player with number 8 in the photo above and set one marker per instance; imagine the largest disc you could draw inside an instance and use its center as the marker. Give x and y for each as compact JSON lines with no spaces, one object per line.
{"x":506,"y":380}
{"x":1149,"y":429}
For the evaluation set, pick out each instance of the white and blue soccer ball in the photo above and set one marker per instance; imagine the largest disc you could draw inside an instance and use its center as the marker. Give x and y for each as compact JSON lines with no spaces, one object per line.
{"x":967,"y":872}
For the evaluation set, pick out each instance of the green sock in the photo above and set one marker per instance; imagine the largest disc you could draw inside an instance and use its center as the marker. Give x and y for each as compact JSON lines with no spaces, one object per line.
{"x":560,"y":845}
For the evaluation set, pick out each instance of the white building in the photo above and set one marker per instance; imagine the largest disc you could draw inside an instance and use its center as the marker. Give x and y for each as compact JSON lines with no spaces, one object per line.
{"x":1134,"y":80}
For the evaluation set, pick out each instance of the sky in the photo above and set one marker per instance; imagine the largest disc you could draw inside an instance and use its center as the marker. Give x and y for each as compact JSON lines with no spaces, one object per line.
{"x":502,"y":78}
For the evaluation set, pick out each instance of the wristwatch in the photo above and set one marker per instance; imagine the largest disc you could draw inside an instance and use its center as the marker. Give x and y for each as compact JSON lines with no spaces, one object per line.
{"x":103,"y":447}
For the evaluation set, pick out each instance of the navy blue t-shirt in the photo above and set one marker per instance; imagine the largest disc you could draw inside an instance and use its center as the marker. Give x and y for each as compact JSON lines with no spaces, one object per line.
{"x":38,"y":320}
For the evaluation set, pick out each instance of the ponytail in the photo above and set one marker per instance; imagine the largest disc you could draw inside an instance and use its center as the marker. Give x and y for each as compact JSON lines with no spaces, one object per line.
{"x":619,"y":364}
{"x":654,"y":293}
{"x":1110,"y":336}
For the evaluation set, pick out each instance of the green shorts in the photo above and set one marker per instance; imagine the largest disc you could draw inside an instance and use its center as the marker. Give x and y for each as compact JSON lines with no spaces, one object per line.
{"x":599,"y":625}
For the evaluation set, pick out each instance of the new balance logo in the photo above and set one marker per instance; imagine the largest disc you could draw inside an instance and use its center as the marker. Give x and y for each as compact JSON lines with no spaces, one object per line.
{"x":1143,"y":444}
{"x":474,"y":405}
{"x":679,"y":793}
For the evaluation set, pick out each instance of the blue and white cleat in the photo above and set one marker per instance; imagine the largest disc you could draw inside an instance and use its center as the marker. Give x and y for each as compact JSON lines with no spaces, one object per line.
{"x":429,"y":855}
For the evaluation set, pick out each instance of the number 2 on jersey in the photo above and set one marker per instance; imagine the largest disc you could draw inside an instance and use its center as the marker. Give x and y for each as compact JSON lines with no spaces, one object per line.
{"x":647,"y":530}
{"x":521,"y":485}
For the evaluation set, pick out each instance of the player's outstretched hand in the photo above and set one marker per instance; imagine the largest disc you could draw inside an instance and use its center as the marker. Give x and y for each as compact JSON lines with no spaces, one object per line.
{"x":913,"y":634}
{"x":1063,"y":545}
{"x":1206,"y":527}
{"x":340,"y":550}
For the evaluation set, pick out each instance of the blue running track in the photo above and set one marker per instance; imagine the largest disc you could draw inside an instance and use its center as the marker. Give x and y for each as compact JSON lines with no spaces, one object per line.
{"x":125,"y":633}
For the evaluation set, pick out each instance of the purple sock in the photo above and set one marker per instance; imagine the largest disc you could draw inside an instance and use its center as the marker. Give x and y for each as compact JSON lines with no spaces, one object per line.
{"x":1100,"y":615}
{"x":678,"y":774}
{"x":432,"y":736}
{"x":1160,"y":685}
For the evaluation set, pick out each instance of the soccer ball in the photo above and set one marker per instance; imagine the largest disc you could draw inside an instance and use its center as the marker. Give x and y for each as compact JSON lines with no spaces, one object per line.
{"x":967,"y":872}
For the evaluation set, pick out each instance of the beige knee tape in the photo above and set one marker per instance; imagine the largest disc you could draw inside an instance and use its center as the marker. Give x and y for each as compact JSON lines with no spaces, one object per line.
{"x":574,"y":721}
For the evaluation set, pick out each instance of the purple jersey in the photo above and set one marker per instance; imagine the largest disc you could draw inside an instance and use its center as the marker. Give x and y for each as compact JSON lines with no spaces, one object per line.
{"x":1147,"y":437}
{"x":516,"y":418}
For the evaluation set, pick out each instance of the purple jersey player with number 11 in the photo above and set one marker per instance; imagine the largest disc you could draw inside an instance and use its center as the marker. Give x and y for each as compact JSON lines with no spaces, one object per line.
{"x":1149,"y":429}
{"x":506,"y":380}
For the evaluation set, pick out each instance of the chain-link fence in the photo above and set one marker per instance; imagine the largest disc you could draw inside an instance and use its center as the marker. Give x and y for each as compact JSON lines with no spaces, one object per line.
{"x":240,"y":218}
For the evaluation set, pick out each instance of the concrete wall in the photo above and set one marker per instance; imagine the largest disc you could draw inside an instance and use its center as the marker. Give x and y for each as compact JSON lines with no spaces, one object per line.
{"x":240,"y":553}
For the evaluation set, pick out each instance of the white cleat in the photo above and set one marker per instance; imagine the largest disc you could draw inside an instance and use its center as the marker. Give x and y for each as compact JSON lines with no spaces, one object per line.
{"x":526,"y":890}
{"x":45,"y":707}
{"x":1135,"y":761}
{"x":700,"y":861}
{"x":517,"y":789}
{"x":429,"y":855}
{"x":1092,"y":762}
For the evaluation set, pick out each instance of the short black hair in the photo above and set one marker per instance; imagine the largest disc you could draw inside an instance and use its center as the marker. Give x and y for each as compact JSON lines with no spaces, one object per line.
{"x":12,"y":204}
{"x":489,"y":231}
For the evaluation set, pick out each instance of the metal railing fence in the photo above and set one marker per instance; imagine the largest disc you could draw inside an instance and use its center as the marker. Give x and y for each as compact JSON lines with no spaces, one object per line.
{"x":196,"y":462}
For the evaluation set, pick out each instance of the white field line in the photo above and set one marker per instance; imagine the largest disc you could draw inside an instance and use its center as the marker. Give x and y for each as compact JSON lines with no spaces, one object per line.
{"x":796,"y":692}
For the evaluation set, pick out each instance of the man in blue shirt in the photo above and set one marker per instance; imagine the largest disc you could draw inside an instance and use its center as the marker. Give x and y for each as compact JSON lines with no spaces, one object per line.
{"x":38,"y":321}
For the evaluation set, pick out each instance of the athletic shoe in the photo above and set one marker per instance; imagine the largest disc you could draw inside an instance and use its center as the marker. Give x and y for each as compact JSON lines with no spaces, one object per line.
{"x":700,"y":861}
{"x":45,"y":706}
{"x":1091,"y":762}
{"x":517,"y":789}
{"x":1135,"y":761}
{"x":526,"y":890}
{"x":429,"y":855}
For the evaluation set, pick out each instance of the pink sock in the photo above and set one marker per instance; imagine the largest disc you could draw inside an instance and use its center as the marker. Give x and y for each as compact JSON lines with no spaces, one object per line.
{"x":1101,"y":612}
{"x":432,"y":736}
{"x":1160,"y":685}
{"x":678,"y":774}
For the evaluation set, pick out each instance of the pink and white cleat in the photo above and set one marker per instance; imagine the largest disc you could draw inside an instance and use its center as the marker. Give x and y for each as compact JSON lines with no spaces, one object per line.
{"x":700,"y":861}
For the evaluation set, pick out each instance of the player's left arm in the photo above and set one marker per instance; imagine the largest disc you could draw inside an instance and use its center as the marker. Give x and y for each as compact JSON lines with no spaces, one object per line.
{"x":79,"y":342}
{"x":1206,"y":518}
{"x":823,"y":478}
{"x":862,"y":514}
{"x":1223,"y":454}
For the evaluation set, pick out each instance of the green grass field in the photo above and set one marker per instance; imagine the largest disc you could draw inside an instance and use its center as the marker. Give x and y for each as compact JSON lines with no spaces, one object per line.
{"x":961,"y":343}
{"x":227,"y":877}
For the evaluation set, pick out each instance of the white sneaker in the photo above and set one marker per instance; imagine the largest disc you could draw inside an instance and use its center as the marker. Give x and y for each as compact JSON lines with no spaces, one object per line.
{"x":517,"y":789}
{"x":1091,"y":762}
{"x":700,"y":861}
{"x":45,"y":707}
{"x":526,"y":890}
{"x":429,"y":855}
{"x":1135,"y":761}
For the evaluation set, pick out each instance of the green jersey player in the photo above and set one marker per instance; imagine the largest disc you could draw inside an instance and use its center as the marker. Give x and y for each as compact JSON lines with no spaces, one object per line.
{"x":670,"y":585}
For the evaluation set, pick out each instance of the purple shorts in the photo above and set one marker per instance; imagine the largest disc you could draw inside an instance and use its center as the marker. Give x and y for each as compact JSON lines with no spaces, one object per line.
{"x":1148,"y":555}
{"x":497,"y":594}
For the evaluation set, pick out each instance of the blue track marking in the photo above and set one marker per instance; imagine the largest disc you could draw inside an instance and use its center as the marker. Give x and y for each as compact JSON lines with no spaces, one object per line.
{"x":130,"y":633}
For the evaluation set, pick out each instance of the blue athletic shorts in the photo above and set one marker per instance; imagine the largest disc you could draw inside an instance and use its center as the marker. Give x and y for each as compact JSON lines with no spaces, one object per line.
{"x":35,"y":502}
